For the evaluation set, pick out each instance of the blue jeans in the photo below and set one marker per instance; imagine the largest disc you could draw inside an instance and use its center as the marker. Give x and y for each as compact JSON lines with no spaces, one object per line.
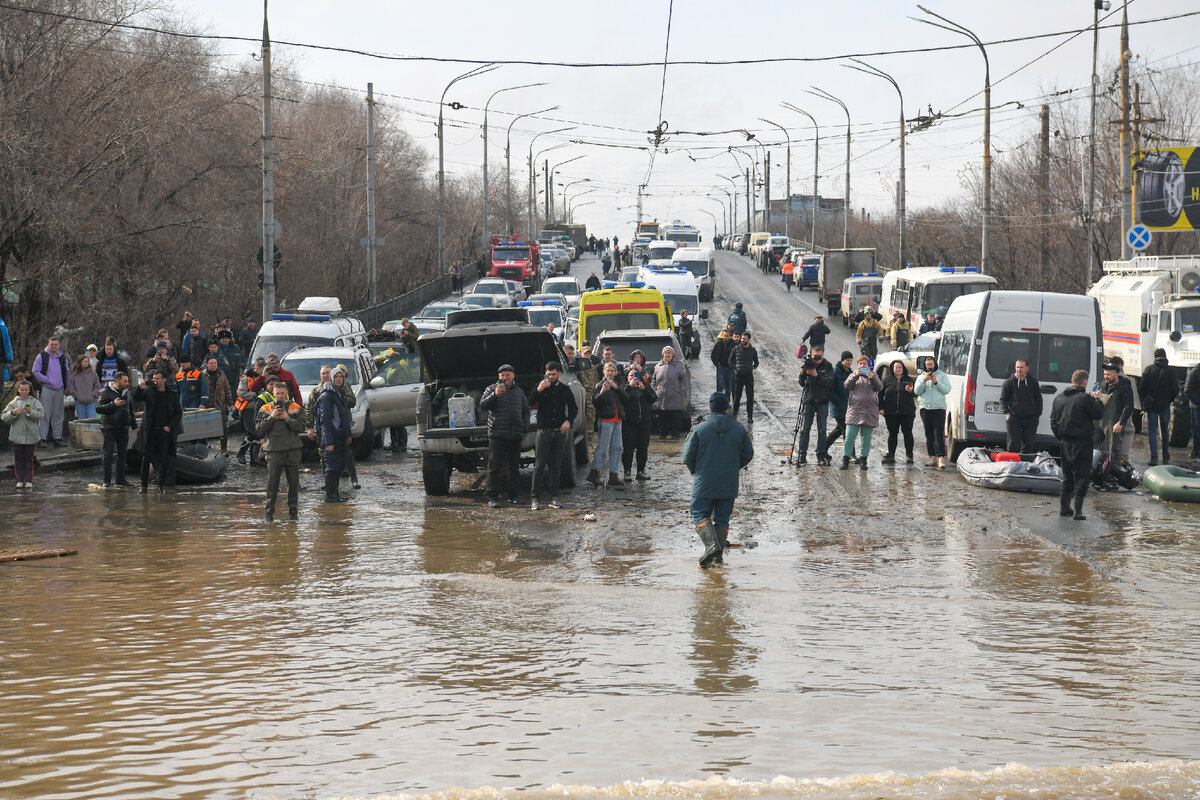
{"x":719,"y":508}
{"x":85,"y":410}
{"x":821,"y":412}
{"x":1159,"y":421}
{"x":725,"y":380}
{"x":608,"y":447}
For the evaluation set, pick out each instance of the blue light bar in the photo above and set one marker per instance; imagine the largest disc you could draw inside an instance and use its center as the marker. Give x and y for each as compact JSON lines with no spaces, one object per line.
{"x":638,"y":285}
{"x":945,"y":269}
{"x":524,"y":303}
{"x":303,"y":317}
{"x":972,"y":269}
{"x":610,"y":284}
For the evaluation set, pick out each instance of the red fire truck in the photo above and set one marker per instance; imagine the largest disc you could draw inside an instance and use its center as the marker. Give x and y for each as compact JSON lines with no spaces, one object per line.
{"x":515,"y":260}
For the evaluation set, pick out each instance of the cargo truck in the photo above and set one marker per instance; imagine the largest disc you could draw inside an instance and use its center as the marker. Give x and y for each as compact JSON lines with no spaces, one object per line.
{"x":836,"y":266}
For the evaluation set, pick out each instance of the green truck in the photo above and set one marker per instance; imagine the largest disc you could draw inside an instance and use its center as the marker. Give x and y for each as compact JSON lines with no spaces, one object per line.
{"x":576,"y":233}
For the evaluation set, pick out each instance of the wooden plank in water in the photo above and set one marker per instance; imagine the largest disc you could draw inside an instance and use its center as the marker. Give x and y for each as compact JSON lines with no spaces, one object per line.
{"x":28,"y":555}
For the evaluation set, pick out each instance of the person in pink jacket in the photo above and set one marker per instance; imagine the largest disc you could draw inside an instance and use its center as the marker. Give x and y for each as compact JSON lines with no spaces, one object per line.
{"x":862,"y":411}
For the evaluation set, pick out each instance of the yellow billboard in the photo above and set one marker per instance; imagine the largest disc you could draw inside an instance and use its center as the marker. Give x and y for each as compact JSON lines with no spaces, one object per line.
{"x":1168,"y":188}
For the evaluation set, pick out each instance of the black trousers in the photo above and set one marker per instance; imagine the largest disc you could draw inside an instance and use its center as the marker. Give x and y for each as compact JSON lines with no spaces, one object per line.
{"x":278,"y":464}
{"x":839,"y":430}
{"x":160,"y":449}
{"x":1022,"y":433}
{"x":669,"y":422}
{"x":635,"y":438}
{"x":746,"y":382}
{"x":500,"y":452}
{"x":548,"y":456}
{"x":1076,"y":466}
{"x":934,"y":420}
{"x":116,"y":446}
{"x":896,"y":425}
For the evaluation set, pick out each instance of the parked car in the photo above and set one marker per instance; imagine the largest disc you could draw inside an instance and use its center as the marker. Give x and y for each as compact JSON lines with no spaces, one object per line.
{"x":433,"y":316}
{"x":483,"y":301}
{"x":516,"y":290}
{"x":920,"y":347}
{"x":566,"y":286}
{"x":497,"y":287}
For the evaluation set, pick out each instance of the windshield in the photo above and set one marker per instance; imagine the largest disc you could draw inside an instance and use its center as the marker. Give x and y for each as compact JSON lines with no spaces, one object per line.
{"x":437,"y":311}
{"x":401,"y":369}
{"x":568,"y":287}
{"x":697,"y":268}
{"x":308,"y":370}
{"x":939,"y":296}
{"x":540,"y":316}
{"x":280,"y":345}
{"x":478,"y":302}
{"x":598,"y":324}
{"x":682,"y":302}
{"x":684,"y":237}
{"x":510,"y":254}
{"x":661,"y":253}
{"x":490,"y":288}
{"x":651,"y":347}
{"x":1189,"y":320}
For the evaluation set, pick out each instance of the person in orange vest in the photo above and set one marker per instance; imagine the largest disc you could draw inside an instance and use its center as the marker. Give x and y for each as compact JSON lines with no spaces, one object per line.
{"x":789,"y":274}
{"x":281,"y":422}
{"x":191,"y":383}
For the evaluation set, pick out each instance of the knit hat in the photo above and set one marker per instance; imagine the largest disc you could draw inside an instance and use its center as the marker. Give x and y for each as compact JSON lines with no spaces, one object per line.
{"x":506,"y":368}
{"x":718,"y":403}
{"x":339,"y":369}
{"x":846,"y":354}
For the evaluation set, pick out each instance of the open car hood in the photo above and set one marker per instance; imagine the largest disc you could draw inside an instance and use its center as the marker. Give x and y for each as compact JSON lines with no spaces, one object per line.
{"x":474,"y":352}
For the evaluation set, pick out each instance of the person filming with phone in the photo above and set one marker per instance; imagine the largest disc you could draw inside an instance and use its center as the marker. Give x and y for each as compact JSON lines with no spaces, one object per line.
{"x":508,"y":419}
{"x":556,"y":408}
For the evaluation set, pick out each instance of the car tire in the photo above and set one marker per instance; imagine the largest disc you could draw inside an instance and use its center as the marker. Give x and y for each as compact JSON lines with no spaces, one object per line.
{"x":364,"y":445}
{"x":1161,"y":191}
{"x":435,"y":473}
{"x":954,"y":447}
{"x":1181,"y":424}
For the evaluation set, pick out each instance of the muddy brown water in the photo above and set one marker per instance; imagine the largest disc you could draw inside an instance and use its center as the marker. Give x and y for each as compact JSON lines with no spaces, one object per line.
{"x":894,"y":633}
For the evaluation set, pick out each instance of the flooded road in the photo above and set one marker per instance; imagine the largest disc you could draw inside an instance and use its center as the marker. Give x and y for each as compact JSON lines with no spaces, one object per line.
{"x":890,"y":623}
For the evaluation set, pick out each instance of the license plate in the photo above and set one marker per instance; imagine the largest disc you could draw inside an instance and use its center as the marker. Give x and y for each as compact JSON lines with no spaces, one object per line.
{"x":993,"y":408}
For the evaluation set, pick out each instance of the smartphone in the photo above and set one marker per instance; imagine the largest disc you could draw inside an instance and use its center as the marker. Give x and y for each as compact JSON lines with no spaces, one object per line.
{"x":864,"y":370}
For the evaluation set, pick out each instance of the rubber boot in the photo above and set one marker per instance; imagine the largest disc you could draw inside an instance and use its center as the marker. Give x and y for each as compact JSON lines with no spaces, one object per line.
{"x":845,"y":462}
{"x":1079,"y":508}
{"x":723,"y":540}
{"x":331,"y":490}
{"x":712,"y":545}
{"x":354,"y":476}
{"x":241,"y":453}
{"x":1064,"y":502}
{"x":862,"y":463}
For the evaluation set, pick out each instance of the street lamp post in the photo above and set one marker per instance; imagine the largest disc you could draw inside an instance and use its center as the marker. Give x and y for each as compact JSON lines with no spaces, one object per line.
{"x":846,"y":202}
{"x":749,"y":192}
{"x":508,"y":167}
{"x":442,"y":164}
{"x":550,"y":185}
{"x":573,"y":207}
{"x":816,"y":170}
{"x":712,"y":216}
{"x":954,"y":27}
{"x":788,"y":184}
{"x":732,"y":203}
{"x":572,"y":183}
{"x":532,"y":188}
{"x":766,"y":173}
{"x":485,"y":154}
{"x":871,"y":70}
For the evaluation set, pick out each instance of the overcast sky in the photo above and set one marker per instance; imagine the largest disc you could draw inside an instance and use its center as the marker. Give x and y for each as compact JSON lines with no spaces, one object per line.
{"x":619,"y":105}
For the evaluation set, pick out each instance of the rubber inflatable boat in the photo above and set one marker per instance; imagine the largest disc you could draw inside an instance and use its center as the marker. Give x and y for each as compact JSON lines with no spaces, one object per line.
{"x":199,"y":463}
{"x":1173,"y":483}
{"x":993,"y":469}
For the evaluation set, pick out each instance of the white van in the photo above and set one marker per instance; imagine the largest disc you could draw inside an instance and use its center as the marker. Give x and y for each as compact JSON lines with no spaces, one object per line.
{"x":317,"y":322}
{"x":982,"y":337}
{"x":660,"y":252}
{"x":702,"y":263}
{"x":678,"y":288}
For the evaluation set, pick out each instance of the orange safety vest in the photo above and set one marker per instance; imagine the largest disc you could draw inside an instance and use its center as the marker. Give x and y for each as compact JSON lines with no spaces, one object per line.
{"x":788,"y":268}
{"x":240,"y":403}
{"x":293,"y":408}
{"x":191,"y":376}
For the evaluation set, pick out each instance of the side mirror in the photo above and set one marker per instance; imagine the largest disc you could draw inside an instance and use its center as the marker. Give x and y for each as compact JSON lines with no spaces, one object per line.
{"x":704,"y":313}
{"x":1176,"y":336}
{"x":377,"y":382}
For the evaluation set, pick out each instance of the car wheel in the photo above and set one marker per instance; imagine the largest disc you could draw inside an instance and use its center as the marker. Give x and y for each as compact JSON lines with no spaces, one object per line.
{"x":954,"y":446}
{"x":1161,"y":189}
{"x":1181,"y":424}
{"x":435,"y":472}
{"x":365,"y":444}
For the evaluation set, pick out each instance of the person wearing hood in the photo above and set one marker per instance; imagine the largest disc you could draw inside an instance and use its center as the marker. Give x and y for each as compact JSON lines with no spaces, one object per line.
{"x":1073,"y":419}
{"x":332,"y":420}
{"x":639,"y":408}
{"x":931,"y":388}
{"x":867,"y":335}
{"x":897,"y":403}
{"x":737,"y":318}
{"x":716,"y":451}
{"x":1158,"y":387}
{"x":1021,"y":404}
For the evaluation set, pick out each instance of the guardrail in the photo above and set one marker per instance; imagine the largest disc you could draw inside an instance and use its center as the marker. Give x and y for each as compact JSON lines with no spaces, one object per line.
{"x":403,"y":305}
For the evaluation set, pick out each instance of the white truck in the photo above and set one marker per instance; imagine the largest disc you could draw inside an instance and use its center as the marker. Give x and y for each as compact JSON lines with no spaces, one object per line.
{"x":1150,"y":302}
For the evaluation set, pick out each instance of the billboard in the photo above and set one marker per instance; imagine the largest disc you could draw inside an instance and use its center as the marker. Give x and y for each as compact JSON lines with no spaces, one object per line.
{"x":1168,"y":189}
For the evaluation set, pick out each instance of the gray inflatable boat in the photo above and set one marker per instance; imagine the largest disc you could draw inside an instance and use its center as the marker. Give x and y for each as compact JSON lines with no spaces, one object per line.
{"x":1032,"y":473}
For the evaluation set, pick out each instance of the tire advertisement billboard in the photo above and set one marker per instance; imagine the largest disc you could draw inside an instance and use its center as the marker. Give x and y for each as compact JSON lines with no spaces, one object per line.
{"x":1168,"y":189}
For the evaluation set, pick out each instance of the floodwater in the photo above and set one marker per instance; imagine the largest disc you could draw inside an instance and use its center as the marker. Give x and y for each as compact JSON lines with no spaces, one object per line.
{"x":893,"y":634}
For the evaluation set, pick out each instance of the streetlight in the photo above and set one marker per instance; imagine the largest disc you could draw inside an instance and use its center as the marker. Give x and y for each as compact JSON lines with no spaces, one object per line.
{"x":575,"y":207}
{"x":712,"y":215}
{"x":954,"y":27}
{"x":485,"y":153}
{"x":732,"y":202}
{"x":766,"y":182}
{"x":569,"y":185}
{"x":724,"y":219}
{"x":442,"y":162}
{"x":532,"y":188}
{"x":787,"y":218}
{"x":816,"y":171}
{"x":846,"y":207}
{"x":508,"y":166}
{"x":749,"y":194}
{"x":876,"y":71}
{"x":550,"y":185}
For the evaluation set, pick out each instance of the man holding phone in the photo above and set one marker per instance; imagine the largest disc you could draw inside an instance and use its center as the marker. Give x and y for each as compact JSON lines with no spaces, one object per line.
{"x":508,"y":419}
{"x":556,"y":408}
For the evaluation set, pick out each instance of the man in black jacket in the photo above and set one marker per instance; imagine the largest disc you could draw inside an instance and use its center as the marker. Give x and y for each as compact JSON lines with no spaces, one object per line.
{"x":556,"y":409}
{"x":1021,"y":402}
{"x":743,"y":361}
{"x":115,"y":407}
{"x":1117,"y":391}
{"x":1191,"y":390}
{"x":1073,"y":420}
{"x":816,"y":333}
{"x":635,"y":428}
{"x":1158,"y":388}
{"x":160,"y":430}
{"x":721,"y":349}
{"x":508,"y":419}
{"x":816,"y":381}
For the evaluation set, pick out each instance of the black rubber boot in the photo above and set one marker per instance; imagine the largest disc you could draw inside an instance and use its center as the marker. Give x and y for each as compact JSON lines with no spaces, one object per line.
{"x":1079,"y":508}
{"x":845,"y":462}
{"x":241,"y":453}
{"x":1064,"y":502}
{"x":712,"y":545}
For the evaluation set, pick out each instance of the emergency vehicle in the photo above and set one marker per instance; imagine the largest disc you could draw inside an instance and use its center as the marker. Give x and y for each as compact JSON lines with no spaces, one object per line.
{"x":622,"y":306}
{"x":917,"y":291}
{"x":515,"y":260}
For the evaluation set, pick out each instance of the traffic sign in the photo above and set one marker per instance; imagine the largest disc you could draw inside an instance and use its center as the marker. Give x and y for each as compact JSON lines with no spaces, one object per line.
{"x":1138,"y":237}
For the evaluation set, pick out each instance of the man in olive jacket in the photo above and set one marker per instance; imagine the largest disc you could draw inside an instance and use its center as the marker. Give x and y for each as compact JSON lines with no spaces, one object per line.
{"x":715,"y":452}
{"x":281,"y":423}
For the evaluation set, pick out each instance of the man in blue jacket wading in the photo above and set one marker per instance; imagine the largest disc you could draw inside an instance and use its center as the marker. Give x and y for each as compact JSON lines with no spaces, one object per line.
{"x":715,"y":452}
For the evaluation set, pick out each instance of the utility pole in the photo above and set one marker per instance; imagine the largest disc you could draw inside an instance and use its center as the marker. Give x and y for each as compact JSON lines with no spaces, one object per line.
{"x":371,"y":194}
{"x":268,"y":213}
{"x":1091,"y":212}
{"x":549,"y":195}
{"x":1126,"y":201}
{"x":767,"y":191}
{"x":749,"y":215}
{"x":1044,"y":202}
